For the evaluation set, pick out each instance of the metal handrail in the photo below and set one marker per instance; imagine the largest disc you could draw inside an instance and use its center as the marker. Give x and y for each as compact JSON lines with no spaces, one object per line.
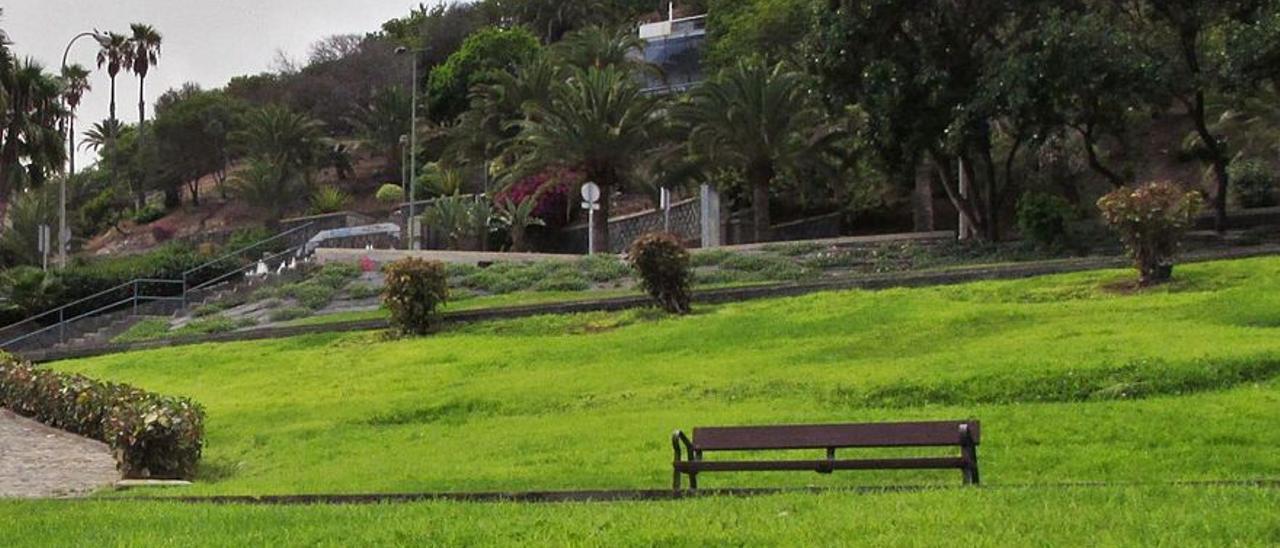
{"x":137,"y":296}
{"x":61,"y":311}
{"x":240,"y":251}
{"x":269,"y":258}
{"x":69,"y":305}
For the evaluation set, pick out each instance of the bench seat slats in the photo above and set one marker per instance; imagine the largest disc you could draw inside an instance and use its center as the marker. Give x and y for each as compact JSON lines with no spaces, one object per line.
{"x":941,"y":463}
{"x":901,"y":434}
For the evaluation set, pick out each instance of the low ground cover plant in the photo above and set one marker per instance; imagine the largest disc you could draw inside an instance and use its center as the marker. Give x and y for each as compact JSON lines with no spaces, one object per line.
{"x":662,"y":263}
{"x":1151,"y":220}
{"x":415,"y":289}
{"x":149,"y":434}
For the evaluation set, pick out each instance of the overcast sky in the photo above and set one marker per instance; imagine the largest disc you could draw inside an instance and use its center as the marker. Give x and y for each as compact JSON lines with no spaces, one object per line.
{"x":205,"y":41}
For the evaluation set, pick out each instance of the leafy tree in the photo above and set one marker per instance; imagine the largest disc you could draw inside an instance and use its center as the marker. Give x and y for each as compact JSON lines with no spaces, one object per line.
{"x":743,"y":28}
{"x":759,"y":119}
{"x":923,"y":74}
{"x":600,"y":120}
{"x":1206,"y":47}
{"x":193,"y":129}
{"x":486,"y":50}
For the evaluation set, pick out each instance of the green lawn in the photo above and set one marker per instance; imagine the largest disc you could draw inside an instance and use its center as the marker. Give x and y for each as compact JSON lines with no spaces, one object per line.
{"x":1164,"y":516}
{"x":1074,"y":381}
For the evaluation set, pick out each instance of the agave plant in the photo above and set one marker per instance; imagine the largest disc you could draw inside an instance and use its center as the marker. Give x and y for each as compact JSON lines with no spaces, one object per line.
{"x":329,"y":199}
{"x":517,"y":217}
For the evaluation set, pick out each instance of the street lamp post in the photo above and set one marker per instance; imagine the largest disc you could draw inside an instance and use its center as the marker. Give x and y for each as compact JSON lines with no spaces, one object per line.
{"x":414,"y":236}
{"x":64,"y":235}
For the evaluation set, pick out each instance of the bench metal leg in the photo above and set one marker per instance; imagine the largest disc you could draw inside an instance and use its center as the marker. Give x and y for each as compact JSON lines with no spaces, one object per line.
{"x":970,"y":454}
{"x":693,"y":482}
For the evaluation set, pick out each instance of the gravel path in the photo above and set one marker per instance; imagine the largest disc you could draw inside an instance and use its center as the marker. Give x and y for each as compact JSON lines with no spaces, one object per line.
{"x":39,"y":461}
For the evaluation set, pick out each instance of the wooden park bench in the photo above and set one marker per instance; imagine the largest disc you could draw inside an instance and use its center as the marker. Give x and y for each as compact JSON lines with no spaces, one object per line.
{"x":962,"y":434}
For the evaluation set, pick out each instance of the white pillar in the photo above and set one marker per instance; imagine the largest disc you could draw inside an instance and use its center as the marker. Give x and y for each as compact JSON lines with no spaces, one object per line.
{"x":711,"y":226}
{"x":965,"y":230}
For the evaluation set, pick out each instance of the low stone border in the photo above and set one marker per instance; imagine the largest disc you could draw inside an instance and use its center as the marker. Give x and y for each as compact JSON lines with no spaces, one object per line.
{"x":713,"y":296}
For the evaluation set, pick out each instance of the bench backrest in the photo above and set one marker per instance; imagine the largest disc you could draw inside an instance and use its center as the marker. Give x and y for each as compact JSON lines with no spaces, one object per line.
{"x":899,"y":434}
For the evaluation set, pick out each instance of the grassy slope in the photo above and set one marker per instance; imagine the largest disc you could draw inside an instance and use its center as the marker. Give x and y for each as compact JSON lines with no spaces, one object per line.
{"x":589,"y":401}
{"x":1050,"y":365}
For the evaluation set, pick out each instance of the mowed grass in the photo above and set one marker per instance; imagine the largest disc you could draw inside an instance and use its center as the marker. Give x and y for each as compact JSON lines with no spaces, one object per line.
{"x":1150,"y":516}
{"x":1073,"y":382}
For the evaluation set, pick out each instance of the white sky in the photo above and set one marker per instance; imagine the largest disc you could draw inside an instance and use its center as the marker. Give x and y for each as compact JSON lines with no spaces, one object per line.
{"x":205,"y":41}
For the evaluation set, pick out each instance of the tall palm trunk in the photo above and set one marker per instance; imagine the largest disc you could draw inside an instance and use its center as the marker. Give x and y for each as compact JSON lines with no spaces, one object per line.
{"x":142,"y":145}
{"x":760,"y":178}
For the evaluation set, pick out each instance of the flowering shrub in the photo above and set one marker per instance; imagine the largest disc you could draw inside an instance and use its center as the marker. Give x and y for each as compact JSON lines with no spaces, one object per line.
{"x":663,"y":265}
{"x":553,"y":202}
{"x":151,"y":436}
{"x":1151,"y":219}
{"x":414,"y":291}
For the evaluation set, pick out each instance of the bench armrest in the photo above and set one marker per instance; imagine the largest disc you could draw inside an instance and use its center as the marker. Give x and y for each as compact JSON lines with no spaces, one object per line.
{"x":677,"y":439}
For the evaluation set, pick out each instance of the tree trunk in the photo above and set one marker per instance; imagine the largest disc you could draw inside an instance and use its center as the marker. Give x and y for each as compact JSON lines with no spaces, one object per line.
{"x":1095,"y":162}
{"x":8,"y":164}
{"x":761,"y":177}
{"x":605,"y":179}
{"x":921,"y":177}
{"x":111,"y":137}
{"x":170,"y":195}
{"x":1217,"y":149}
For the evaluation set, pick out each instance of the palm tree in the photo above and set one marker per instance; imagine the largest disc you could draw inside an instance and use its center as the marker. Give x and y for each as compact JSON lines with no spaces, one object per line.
{"x":292,"y":141}
{"x":269,"y":187}
{"x":382,"y":122}
{"x":30,"y":129}
{"x":75,"y":83}
{"x":600,"y":120}
{"x":102,"y":134}
{"x":486,"y":130}
{"x":601,"y":47}
{"x":143,"y":53}
{"x":518,"y":217}
{"x":761,"y":120}
{"x":113,"y":53}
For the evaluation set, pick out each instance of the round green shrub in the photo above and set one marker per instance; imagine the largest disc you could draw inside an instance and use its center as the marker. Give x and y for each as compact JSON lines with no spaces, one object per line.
{"x":1253,"y":184}
{"x":1044,"y":218}
{"x":663,"y":265}
{"x":390,"y":194}
{"x":415,"y":289}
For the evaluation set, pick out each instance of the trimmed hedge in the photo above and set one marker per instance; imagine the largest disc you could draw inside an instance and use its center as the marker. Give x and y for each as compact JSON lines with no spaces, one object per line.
{"x":151,"y":436}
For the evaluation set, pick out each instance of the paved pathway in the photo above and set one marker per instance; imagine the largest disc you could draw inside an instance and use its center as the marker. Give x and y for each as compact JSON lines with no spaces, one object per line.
{"x":39,"y":461}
